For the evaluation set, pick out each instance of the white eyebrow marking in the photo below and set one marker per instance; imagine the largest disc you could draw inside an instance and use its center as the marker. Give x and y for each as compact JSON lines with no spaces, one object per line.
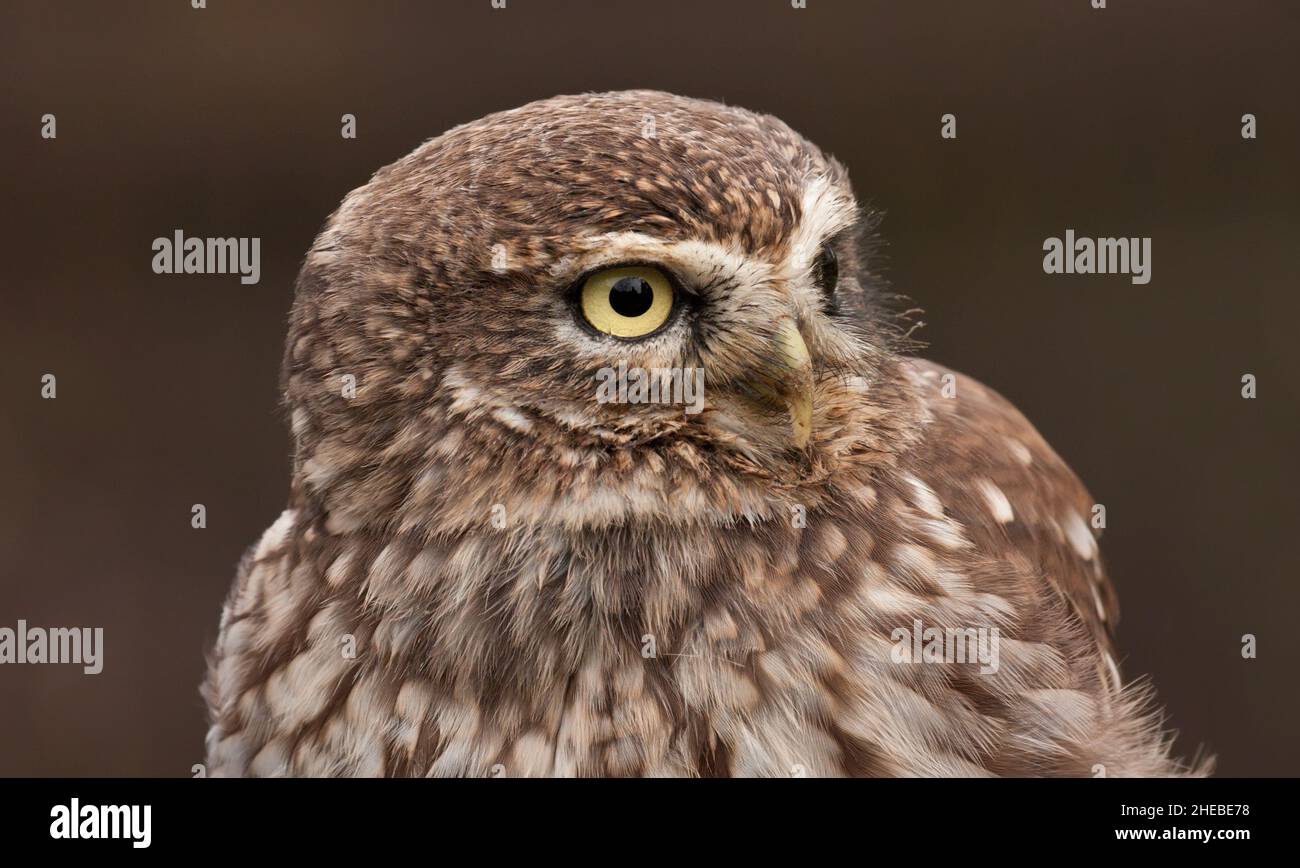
{"x":826,"y":212}
{"x":697,"y":260}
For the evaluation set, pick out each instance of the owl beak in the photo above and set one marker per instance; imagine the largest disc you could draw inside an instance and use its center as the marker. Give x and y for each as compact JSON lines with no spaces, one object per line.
{"x":785,"y":381}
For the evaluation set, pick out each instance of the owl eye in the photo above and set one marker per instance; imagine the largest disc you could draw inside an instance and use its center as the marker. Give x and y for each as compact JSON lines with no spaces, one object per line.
{"x":826,"y":272}
{"x":628,"y":302}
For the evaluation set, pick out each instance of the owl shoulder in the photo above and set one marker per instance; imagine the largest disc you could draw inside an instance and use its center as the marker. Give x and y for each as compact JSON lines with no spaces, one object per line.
{"x":1014,"y":497}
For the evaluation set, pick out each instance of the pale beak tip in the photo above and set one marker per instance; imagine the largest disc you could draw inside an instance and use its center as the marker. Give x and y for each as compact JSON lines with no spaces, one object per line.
{"x":800,"y":406}
{"x":799,"y":402}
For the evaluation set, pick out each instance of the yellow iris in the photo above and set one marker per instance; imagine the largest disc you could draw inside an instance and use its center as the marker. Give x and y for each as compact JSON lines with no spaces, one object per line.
{"x":628,"y":302}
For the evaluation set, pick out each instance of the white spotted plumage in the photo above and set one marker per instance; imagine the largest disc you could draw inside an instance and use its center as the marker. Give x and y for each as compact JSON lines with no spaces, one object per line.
{"x":483,"y":571}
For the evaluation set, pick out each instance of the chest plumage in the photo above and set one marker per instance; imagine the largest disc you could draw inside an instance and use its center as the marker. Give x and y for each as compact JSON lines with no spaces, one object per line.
{"x":840,"y":561}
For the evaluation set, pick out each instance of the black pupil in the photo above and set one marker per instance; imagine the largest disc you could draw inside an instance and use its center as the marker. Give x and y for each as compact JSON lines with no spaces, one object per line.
{"x":631,"y":296}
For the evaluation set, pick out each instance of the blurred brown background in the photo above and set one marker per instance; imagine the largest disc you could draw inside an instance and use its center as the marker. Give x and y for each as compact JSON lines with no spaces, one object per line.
{"x":225,"y":122}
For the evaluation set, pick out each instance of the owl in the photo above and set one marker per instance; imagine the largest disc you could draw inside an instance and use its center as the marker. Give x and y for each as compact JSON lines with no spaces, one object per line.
{"x":610,"y":459}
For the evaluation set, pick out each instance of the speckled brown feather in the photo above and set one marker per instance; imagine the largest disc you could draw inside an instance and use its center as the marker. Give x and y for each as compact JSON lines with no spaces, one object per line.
{"x":538,"y":584}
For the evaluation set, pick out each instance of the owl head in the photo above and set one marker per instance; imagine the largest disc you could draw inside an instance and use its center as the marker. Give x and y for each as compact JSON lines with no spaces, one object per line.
{"x":585,"y":311}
